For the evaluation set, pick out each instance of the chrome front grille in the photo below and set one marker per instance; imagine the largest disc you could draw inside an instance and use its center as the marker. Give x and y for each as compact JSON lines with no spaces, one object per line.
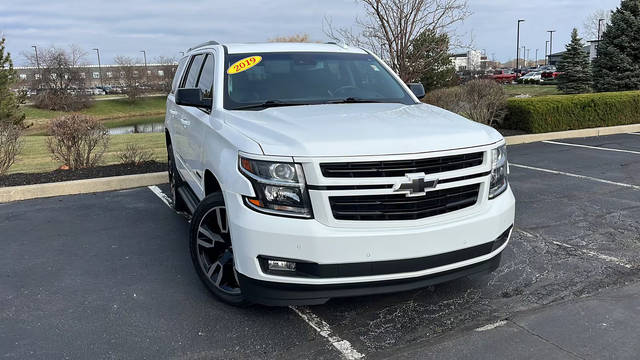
{"x":401,"y":207}
{"x":395,"y":168}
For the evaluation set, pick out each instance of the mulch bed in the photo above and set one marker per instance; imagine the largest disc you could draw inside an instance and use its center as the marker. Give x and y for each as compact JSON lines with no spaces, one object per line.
{"x":67,"y":175}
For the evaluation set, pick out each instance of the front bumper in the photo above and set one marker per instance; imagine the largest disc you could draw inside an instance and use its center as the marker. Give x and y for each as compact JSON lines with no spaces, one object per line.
{"x":256,"y":235}
{"x":284,"y":294}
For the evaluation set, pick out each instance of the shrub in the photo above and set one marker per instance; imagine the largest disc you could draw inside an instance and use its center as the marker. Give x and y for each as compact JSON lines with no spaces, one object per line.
{"x":62,"y":100}
{"x":448,"y":98}
{"x":480,"y":100}
{"x":78,"y":141}
{"x":484,"y":101}
{"x":570,"y":112}
{"x":134,"y":154}
{"x":10,"y":145}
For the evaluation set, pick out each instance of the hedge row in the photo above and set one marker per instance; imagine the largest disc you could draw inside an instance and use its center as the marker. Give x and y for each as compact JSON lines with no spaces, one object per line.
{"x":570,"y":112}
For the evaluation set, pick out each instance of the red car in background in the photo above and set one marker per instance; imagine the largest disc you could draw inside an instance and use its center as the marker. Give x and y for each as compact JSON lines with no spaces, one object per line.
{"x":504,"y":76}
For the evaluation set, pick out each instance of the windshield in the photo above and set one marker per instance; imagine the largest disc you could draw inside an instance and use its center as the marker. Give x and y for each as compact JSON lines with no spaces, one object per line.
{"x":259,"y":80}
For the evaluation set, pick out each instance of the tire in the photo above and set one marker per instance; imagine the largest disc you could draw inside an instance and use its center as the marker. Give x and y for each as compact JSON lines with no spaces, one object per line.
{"x":175,"y":181}
{"x":212,"y":251}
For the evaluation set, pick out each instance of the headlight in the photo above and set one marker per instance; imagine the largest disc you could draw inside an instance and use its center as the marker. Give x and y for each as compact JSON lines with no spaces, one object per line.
{"x":279,"y":187}
{"x":499,"y":171}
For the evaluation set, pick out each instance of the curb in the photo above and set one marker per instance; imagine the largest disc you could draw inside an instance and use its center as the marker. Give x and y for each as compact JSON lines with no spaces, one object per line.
{"x":25,"y":192}
{"x":600,"y":131}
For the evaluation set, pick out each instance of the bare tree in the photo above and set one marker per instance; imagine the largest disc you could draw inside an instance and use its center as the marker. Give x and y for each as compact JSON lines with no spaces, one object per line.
{"x":60,"y":81}
{"x":296,"y":38}
{"x":591,"y":22}
{"x":391,"y":26}
{"x":168,"y":66}
{"x":129,"y":73}
{"x":10,"y":145}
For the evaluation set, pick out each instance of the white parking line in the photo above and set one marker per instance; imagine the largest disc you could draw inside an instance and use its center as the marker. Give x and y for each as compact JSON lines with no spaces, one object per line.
{"x":492,"y":326}
{"x":635,"y":187}
{"x":165,"y":199}
{"x":591,"y":253}
{"x":593,"y":147}
{"x":343,"y":346}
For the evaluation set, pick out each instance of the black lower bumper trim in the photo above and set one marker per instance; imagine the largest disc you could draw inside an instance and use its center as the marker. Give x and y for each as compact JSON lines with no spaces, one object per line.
{"x":283,"y":294}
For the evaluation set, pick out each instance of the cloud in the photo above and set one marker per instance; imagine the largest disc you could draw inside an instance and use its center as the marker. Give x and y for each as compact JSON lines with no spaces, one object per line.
{"x":164,"y":28}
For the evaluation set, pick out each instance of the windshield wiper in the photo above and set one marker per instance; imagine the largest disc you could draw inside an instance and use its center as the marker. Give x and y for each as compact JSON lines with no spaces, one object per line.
{"x":352,"y":100}
{"x":267,"y":104}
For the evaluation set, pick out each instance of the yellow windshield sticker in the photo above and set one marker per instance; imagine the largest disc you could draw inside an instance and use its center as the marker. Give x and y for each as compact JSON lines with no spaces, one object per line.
{"x":244,"y":64}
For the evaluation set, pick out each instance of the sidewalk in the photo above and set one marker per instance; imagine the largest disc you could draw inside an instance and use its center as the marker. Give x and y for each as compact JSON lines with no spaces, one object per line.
{"x":603,"y":326}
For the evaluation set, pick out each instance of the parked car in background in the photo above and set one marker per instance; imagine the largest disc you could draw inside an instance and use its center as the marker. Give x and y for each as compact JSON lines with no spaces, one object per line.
{"x":504,"y":76}
{"x":531,"y":77}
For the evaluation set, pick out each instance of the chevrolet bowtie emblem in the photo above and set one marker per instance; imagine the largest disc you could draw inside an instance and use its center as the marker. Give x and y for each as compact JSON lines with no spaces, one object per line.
{"x":415,"y":184}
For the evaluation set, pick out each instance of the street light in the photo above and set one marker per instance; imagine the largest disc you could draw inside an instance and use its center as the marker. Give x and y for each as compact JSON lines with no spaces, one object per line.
{"x":518,"y":48}
{"x":144,"y":52}
{"x":537,"y":57}
{"x":37,"y":64}
{"x":599,"y":34}
{"x":546,"y":46}
{"x":99,"y":67}
{"x":550,"y":42}
{"x":524,"y":55}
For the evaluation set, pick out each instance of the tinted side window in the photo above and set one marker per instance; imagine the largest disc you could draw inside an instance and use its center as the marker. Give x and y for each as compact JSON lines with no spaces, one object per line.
{"x":178,"y":75}
{"x":206,"y":77}
{"x":194,"y":71}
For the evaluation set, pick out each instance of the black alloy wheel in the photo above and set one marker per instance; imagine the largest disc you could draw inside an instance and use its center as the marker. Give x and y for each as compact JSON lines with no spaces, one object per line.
{"x":212,"y":250}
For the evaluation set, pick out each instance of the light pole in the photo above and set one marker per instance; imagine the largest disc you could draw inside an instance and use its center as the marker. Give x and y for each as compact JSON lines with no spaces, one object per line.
{"x":37,"y":65}
{"x":518,"y":48}
{"x":526,"y":61}
{"x":99,"y":68}
{"x":537,"y":57}
{"x":144,"y":52}
{"x":546,"y":46}
{"x":524,"y":55}
{"x":599,"y":34}
{"x":550,"y":42}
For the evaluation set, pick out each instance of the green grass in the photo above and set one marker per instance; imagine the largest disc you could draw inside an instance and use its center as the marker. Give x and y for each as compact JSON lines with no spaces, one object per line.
{"x":531,"y":90}
{"x":36,"y":158}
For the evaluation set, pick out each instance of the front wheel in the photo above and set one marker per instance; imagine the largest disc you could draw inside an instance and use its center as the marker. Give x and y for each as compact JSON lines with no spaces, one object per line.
{"x":212,"y":251}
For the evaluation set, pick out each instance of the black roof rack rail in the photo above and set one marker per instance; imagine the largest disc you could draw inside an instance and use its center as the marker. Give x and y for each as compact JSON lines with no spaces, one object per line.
{"x":211,"y":42}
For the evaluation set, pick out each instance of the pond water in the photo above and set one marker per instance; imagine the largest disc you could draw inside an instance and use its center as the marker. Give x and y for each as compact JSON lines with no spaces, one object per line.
{"x":138,"y":129}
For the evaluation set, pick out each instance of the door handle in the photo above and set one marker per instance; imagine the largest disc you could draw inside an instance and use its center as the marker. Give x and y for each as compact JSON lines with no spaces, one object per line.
{"x":185,"y":122}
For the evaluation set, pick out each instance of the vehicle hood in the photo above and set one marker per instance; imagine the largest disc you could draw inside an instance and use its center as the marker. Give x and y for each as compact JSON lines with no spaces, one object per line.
{"x":358,"y":129}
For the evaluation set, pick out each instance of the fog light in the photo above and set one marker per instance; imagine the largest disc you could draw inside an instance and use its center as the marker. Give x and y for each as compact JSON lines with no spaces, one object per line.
{"x":280,"y":265}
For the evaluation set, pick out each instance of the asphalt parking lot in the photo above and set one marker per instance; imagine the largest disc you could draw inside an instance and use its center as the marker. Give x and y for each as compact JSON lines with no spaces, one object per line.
{"x":108,"y":276}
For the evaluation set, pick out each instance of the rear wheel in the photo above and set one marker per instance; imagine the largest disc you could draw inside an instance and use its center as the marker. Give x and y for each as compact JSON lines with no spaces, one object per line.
{"x":175,"y":181}
{"x":212,"y":251}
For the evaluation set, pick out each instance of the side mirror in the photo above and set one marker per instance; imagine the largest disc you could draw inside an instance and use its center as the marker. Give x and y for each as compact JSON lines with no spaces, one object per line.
{"x":417,"y":89}
{"x":192,"y":97}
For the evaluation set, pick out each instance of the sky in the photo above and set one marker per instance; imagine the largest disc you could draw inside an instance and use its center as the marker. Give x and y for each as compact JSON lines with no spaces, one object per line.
{"x":164,"y":28}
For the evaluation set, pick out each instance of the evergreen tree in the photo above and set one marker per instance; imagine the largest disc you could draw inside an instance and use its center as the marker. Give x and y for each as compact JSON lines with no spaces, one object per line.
{"x":10,"y":111}
{"x":617,"y":67}
{"x":575,"y":68}
{"x":430,"y":59}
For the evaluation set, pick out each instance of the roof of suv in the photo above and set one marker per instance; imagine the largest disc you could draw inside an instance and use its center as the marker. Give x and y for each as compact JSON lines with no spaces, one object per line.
{"x":290,"y":47}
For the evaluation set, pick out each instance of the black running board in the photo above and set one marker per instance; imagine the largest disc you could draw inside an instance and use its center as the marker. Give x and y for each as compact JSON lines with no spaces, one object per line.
{"x":189,"y":198}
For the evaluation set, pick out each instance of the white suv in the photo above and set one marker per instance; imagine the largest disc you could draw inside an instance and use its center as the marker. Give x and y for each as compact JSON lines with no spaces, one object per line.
{"x":312,"y":171}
